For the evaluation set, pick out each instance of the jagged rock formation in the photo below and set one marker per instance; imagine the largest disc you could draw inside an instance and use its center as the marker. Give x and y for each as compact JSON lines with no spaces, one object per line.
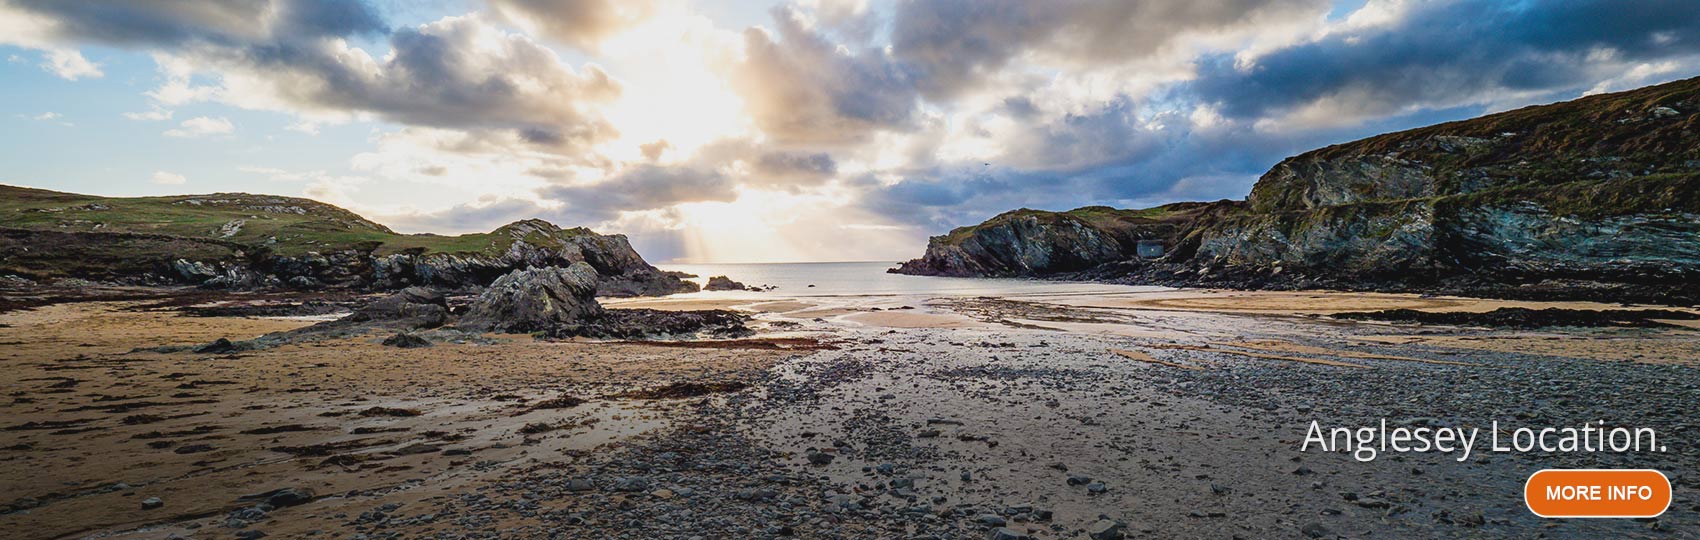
{"x":234,"y":240}
{"x":1597,"y":197}
{"x":535,"y":299}
{"x":413,"y":307}
{"x":1029,"y":242}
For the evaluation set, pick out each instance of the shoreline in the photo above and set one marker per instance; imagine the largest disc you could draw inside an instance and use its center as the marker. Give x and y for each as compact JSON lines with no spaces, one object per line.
{"x":1181,"y":407}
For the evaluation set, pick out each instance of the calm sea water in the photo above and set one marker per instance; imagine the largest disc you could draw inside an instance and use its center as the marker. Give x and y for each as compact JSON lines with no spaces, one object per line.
{"x":870,"y":278}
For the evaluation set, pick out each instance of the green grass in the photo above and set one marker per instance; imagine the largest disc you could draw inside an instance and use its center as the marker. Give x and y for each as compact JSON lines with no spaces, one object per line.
{"x":267,"y":222}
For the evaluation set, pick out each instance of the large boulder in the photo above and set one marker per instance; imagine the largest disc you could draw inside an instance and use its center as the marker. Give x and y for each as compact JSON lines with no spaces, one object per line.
{"x":535,"y":299}
{"x":723,"y":283}
{"x":413,"y":307}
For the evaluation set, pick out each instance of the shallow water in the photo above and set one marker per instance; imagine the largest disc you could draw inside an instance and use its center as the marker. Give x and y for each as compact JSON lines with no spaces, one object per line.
{"x":870,"y":278}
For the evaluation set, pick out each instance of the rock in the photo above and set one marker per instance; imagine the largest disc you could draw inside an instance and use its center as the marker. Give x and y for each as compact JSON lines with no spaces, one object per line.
{"x":723,"y":283}
{"x":1096,"y":488}
{"x":656,"y":324}
{"x":631,"y":484}
{"x":1002,"y":533}
{"x":1079,"y":480}
{"x":1549,"y":202}
{"x":218,"y":346}
{"x":991,"y":520}
{"x":580,"y":485}
{"x":817,"y":457}
{"x":1315,"y":530}
{"x":405,"y":340}
{"x":413,"y":307}
{"x":151,"y":503}
{"x":1105,"y":529}
{"x":416,"y":448}
{"x":535,"y":299}
{"x":282,"y":497}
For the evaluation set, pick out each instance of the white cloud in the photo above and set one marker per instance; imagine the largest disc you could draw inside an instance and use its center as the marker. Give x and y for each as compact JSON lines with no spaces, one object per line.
{"x":50,"y":115}
{"x":70,"y":65}
{"x":168,"y":178}
{"x":154,"y":115}
{"x":200,"y":126}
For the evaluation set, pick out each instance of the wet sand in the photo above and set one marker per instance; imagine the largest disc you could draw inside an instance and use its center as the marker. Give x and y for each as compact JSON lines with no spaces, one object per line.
{"x":1185,"y":406}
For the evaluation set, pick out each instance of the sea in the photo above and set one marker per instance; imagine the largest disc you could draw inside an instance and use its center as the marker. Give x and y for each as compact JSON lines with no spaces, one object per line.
{"x":870,"y":279}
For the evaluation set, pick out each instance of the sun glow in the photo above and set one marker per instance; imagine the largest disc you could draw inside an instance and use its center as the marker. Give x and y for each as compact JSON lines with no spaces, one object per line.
{"x":770,"y":226}
{"x":671,"y":91}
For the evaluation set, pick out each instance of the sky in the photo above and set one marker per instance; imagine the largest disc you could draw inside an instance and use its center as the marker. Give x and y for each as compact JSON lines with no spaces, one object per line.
{"x":769,"y":131}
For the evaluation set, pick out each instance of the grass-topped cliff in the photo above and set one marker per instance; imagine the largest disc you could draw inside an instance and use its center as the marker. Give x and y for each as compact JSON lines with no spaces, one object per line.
{"x":245,"y":240}
{"x":1599,"y":196}
{"x":286,"y":225}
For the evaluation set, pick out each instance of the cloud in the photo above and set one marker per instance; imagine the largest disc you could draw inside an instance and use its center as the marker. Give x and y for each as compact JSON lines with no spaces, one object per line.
{"x":803,"y":88}
{"x":201,"y":126}
{"x":643,"y":187}
{"x":178,"y":22}
{"x":168,"y":178}
{"x":580,"y":23}
{"x":70,"y":65}
{"x":153,"y":115}
{"x":292,"y":56}
{"x":1446,"y":54}
{"x":953,"y":45}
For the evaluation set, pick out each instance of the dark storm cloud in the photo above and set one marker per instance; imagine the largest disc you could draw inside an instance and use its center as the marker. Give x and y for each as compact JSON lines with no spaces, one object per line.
{"x":1455,"y":52}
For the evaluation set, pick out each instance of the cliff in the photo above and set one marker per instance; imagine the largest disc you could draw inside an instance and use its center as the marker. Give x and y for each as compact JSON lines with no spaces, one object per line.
{"x":238,"y":240}
{"x":1593,"y":198}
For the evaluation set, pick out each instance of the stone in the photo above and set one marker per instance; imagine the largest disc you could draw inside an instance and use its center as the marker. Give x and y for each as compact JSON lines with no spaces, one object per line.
{"x":816,"y":457}
{"x":405,"y":340}
{"x":723,"y":283}
{"x":535,"y":299}
{"x":1315,"y":530}
{"x":151,"y":503}
{"x":282,"y":497}
{"x":413,"y":307}
{"x":1002,"y":533}
{"x":1105,"y":529}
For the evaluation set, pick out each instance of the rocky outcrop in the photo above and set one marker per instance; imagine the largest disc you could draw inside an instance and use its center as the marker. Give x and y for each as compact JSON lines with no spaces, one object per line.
{"x":1033,"y":242}
{"x":413,"y":307}
{"x":534,"y":243}
{"x":1593,"y":198}
{"x":534,"y":300}
{"x":723,"y":283}
{"x":241,"y":241}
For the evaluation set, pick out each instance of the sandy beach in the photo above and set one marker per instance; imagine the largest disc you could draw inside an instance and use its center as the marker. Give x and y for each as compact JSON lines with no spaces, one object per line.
{"x":941,"y":415}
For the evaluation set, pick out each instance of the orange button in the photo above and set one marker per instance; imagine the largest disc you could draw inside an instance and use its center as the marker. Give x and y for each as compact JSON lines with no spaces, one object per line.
{"x":1597,"y":493}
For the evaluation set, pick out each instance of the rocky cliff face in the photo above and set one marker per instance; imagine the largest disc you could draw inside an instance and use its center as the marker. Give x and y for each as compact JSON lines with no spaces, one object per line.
{"x":1598,"y":197}
{"x":263,"y":242}
{"x":1034,"y":242}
